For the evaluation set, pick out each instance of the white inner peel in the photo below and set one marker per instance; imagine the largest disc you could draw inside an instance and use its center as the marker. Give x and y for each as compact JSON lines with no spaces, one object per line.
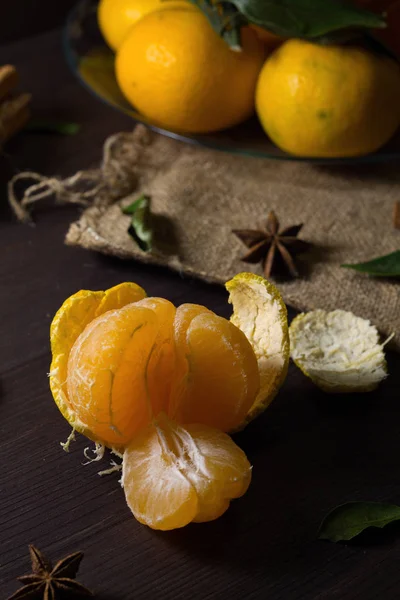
{"x":338,"y":349}
{"x":261,"y":318}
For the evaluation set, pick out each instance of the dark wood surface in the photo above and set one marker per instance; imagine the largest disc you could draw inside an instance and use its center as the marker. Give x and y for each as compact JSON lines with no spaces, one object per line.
{"x":310,"y":452}
{"x":22,"y":18}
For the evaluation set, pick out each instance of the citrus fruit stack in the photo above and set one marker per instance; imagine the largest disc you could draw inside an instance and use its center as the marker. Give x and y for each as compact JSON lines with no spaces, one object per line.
{"x":311,"y":99}
{"x":164,"y":386}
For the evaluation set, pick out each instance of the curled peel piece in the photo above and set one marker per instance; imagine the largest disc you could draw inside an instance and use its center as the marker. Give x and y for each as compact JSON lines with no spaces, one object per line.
{"x":338,"y":351}
{"x":259,"y":311}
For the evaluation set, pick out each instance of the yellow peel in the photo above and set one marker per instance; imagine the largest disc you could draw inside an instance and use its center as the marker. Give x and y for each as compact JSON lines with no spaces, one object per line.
{"x":259,"y":311}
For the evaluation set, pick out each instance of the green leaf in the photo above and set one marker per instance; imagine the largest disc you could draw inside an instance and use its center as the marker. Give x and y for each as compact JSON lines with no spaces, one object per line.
{"x":224,"y":18}
{"x":140,"y":227}
{"x":60,"y":127}
{"x":348,"y":520}
{"x":306,"y":18}
{"x":383,"y":266}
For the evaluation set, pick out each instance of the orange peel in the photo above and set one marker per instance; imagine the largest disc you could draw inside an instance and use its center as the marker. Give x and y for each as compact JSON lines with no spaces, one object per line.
{"x":260,"y":312}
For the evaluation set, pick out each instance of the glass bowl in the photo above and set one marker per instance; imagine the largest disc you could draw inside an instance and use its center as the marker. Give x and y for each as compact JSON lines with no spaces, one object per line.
{"x":93,"y":63}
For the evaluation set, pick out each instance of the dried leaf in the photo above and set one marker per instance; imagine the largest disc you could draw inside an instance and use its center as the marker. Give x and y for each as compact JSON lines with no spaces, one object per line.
{"x":348,"y":520}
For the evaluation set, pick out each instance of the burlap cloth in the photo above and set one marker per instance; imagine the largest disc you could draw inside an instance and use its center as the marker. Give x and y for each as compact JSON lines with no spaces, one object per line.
{"x":200,"y":195}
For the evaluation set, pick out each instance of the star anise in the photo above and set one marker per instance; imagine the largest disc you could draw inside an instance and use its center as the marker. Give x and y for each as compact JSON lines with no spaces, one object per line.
{"x":273,"y":247}
{"x":48,"y":583}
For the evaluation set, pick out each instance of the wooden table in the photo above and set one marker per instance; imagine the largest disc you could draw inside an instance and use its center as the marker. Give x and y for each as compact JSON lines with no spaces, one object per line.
{"x":310,"y":452}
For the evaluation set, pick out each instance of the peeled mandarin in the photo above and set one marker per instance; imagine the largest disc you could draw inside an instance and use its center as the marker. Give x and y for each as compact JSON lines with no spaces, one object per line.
{"x":148,"y":357}
{"x":120,"y":359}
{"x":162,"y":385}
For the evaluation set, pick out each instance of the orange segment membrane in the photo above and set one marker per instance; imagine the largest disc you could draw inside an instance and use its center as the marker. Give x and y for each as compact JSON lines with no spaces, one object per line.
{"x":218,"y":371}
{"x":107,"y":379}
{"x":173,"y":475}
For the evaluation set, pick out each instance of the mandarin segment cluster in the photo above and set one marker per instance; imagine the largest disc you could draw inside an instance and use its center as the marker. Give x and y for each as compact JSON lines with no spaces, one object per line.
{"x":174,"y":361}
{"x":312,"y":99}
{"x":163,"y":386}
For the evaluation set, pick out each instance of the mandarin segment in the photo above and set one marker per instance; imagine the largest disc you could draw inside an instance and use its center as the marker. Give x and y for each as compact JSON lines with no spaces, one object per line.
{"x":119,"y":296}
{"x":173,"y":475}
{"x":224,"y":472}
{"x":162,"y":360}
{"x":184,"y":315}
{"x":222,"y":377}
{"x":69,"y":322}
{"x":107,"y":384}
{"x":157,"y":492}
